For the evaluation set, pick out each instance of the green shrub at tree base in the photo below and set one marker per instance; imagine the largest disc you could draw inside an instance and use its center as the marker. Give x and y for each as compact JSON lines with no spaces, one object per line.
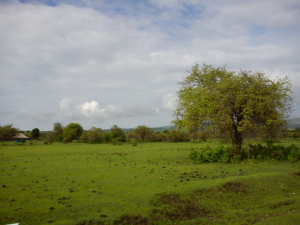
{"x":209,"y":155}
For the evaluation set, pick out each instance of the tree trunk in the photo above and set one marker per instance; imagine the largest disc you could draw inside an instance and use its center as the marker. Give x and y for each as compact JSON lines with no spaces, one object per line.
{"x":238,"y":140}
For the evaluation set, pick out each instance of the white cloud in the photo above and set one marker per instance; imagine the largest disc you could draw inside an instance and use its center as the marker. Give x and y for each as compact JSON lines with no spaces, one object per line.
{"x":126,"y":57}
{"x":94,"y":112}
{"x":170,"y":101}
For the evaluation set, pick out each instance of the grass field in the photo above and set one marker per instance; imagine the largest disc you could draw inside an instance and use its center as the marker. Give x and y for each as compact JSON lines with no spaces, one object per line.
{"x":152,"y":183}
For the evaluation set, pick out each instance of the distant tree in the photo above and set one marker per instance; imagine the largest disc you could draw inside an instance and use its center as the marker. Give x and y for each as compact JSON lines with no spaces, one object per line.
{"x":58,"y":131}
{"x":106,"y":137}
{"x":72,"y":131}
{"x":117,"y":133}
{"x":239,"y":104}
{"x":35,"y":133}
{"x":7,"y":132}
{"x":176,"y":136}
{"x":161,"y":137}
{"x":144,"y":132}
{"x":131,"y":134}
{"x":93,"y":135}
{"x":49,"y":136}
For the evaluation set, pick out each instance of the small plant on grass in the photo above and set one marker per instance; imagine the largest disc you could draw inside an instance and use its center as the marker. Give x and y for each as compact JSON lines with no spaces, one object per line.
{"x":66,"y":140}
{"x":133,"y":142}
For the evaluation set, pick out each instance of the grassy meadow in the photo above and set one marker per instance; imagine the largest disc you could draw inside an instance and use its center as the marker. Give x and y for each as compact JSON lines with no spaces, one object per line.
{"x":151,"y":183}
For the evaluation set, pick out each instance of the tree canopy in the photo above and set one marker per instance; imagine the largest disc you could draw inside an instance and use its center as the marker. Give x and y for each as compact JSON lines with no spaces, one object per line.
{"x":7,"y":132}
{"x":117,"y":133}
{"x":144,"y":132}
{"x":72,"y":131}
{"x":92,"y":135}
{"x":58,"y":130}
{"x":235,"y":103}
{"x":35,"y":133}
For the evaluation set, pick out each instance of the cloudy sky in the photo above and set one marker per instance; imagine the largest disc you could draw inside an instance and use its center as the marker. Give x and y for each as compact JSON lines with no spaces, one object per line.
{"x":101,"y":62}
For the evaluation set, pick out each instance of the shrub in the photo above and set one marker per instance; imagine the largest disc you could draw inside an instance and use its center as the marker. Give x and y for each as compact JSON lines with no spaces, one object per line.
{"x":66,"y":140}
{"x":133,"y":142}
{"x":277,"y":152}
{"x":208,"y":155}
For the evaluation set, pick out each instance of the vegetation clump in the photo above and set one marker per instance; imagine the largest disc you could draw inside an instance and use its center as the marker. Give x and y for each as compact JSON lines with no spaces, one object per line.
{"x":176,"y":207}
{"x":283,"y":203}
{"x":235,"y":187}
{"x":257,"y":152}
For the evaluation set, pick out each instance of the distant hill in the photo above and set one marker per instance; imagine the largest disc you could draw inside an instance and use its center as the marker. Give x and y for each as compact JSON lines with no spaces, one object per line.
{"x":155,"y":129}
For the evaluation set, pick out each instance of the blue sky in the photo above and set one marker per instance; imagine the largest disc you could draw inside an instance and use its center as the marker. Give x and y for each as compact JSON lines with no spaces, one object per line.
{"x":101,"y":63}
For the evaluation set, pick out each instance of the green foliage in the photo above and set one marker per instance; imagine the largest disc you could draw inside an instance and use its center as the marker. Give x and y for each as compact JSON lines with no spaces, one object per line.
{"x":144,"y":132}
{"x":93,"y":135}
{"x":58,"y":131}
{"x":106,"y":137}
{"x":49,"y":136}
{"x":176,"y":136}
{"x":209,"y":155}
{"x":7,"y":132}
{"x":66,"y":140}
{"x":270,"y":141}
{"x":276,"y":152}
{"x":236,"y":104}
{"x":254,"y":153}
{"x":133,"y":142}
{"x":72,"y":131}
{"x":35,"y":133}
{"x":117,"y":133}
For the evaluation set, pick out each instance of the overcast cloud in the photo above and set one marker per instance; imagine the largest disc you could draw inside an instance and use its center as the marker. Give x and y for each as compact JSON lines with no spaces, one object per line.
{"x":101,"y":63}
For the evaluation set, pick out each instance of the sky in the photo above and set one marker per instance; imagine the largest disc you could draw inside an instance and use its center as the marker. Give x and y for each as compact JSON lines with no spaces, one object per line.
{"x":100,"y":62}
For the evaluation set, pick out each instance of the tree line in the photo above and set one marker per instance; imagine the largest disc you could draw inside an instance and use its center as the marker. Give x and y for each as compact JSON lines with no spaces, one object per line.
{"x":141,"y":133}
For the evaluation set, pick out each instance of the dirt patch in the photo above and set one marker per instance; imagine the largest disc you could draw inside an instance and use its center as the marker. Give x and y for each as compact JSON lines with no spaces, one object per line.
{"x":131,"y":220}
{"x":91,"y":222}
{"x":176,"y":207}
{"x":235,"y":187}
{"x":283,"y":203}
{"x":297,"y":173}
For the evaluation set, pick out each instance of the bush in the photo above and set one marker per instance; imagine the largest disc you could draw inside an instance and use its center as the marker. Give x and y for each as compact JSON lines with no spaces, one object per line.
{"x":277,"y":152}
{"x":66,"y":140}
{"x":133,"y":142}
{"x":255,"y":153}
{"x":46,"y":142}
{"x":208,"y":155}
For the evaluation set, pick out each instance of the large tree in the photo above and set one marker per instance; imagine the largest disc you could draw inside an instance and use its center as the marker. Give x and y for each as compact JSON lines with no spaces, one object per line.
{"x":235,"y":103}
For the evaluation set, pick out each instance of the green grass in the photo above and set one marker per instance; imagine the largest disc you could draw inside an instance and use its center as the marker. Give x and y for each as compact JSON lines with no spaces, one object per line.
{"x":152,"y":183}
